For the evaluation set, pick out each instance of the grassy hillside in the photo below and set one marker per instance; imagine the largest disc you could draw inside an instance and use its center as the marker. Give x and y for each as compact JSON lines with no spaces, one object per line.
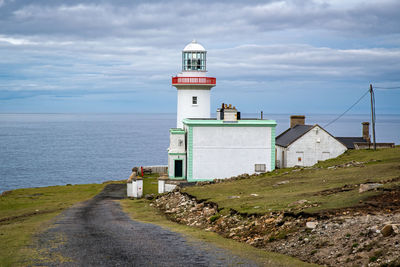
{"x":24,"y":212}
{"x":330,"y":184}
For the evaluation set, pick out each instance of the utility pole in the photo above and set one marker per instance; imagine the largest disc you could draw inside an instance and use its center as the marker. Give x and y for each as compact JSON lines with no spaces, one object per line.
{"x":371,"y":91}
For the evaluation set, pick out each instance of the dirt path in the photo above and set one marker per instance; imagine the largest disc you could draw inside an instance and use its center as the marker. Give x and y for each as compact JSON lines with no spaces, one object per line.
{"x":98,"y":233}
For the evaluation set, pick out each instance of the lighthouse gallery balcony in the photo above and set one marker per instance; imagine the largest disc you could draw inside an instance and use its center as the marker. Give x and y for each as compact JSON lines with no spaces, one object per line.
{"x":193,"y":80}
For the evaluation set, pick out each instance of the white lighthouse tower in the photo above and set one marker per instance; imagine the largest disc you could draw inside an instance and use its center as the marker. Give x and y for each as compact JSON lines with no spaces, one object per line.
{"x":193,"y":85}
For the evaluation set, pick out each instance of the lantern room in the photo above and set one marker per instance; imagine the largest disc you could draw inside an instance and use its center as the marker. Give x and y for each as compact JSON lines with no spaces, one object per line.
{"x":194,"y":57}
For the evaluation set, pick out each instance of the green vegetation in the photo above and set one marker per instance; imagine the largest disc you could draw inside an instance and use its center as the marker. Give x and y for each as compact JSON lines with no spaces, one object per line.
{"x":150,"y":185}
{"x":214,"y":218}
{"x":141,"y":210}
{"x":24,"y":212}
{"x":321,"y":187}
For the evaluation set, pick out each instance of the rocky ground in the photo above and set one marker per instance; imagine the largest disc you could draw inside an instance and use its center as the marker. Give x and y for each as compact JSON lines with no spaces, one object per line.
{"x":366,"y":235}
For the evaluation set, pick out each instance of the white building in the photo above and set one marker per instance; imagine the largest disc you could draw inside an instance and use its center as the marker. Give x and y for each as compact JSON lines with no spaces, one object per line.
{"x":203,"y":148}
{"x":305,"y":145}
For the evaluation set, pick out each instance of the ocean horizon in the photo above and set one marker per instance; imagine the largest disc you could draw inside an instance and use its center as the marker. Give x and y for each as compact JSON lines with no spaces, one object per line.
{"x":44,"y":149}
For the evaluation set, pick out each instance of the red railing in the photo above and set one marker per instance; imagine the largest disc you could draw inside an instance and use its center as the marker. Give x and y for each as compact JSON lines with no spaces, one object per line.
{"x":193,"y":80}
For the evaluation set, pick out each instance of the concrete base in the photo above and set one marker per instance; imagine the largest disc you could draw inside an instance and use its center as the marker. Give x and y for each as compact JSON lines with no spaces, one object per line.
{"x":129,"y":191}
{"x":166,"y":185}
{"x":135,"y":188}
{"x":161,"y":186}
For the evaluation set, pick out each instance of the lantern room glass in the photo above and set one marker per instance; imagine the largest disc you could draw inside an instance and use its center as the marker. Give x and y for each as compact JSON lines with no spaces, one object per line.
{"x":194,"y":61}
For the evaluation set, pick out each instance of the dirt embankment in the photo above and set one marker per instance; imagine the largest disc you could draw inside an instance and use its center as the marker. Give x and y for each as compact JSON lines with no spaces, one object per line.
{"x":366,"y":235}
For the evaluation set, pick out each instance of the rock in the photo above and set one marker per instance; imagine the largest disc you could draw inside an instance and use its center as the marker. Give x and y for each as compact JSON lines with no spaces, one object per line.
{"x":233,"y":197}
{"x":396,"y":228}
{"x":270,"y":220}
{"x":281,"y":182}
{"x":311,"y":225}
{"x":387,"y":230}
{"x":368,"y":187}
{"x":149,"y":196}
{"x":6,"y":192}
{"x":194,"y":209}
{"x":254,"y":195}
{"x":299,"y":202}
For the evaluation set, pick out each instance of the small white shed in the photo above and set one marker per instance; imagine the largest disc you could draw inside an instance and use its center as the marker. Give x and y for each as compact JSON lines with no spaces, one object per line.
{"x":305,"y":145}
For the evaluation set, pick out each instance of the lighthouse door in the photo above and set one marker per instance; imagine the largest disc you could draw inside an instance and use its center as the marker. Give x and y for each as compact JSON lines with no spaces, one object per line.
{"x":178,"y":168}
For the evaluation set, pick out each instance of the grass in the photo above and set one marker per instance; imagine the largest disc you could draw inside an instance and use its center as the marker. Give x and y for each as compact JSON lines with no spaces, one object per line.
{"x":24,"y":212}
{"x":141,"y":210}
{"x":150,"y":185}
{"x":306,"y":184}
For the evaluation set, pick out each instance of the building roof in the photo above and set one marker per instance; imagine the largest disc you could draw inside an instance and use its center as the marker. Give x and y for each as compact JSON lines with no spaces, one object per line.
{"x":240,"y":123}
{"x":194,"y":46}
{"x":176,"y":131}
{"x":349,"y":141}
{"x":292,"y":134}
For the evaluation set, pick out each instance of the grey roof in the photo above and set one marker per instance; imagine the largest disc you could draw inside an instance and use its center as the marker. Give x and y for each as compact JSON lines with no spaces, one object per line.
{"x":349,"y":141}
{"x":292,"y":134}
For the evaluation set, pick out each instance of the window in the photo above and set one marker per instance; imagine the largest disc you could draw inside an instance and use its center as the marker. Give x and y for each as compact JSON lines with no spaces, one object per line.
{"x":193,"y":61}
{"x":194,"y":100}
{"x":260,"y":167}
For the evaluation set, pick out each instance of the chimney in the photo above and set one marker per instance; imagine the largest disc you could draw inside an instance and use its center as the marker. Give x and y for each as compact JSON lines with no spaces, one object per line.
{"x":297,"y":120}
{"x":228,"y":113}
{"x":365,"y":131}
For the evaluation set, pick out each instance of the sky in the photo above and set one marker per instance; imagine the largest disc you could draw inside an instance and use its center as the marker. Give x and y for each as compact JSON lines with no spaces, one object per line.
{"x":291,"y":57}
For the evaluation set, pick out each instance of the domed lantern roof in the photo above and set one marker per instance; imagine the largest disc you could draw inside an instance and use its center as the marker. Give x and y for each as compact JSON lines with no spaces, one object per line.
{"x":194,"y":46}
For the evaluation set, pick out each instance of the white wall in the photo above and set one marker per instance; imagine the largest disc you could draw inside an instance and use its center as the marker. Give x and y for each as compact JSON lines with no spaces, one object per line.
{"x":282,"y":161}
{"x":315,"y":145}
{"x":187,"y":110}
{"x":223,"y":152}
{"x":177,"y":143}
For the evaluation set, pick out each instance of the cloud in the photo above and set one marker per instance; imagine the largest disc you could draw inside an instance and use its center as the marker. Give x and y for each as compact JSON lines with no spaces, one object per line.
{"x":165,"y":20}
{"x":87,"y":47}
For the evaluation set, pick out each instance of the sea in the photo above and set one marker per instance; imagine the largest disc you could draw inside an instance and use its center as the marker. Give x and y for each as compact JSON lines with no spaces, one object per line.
{"x":56,"y":149}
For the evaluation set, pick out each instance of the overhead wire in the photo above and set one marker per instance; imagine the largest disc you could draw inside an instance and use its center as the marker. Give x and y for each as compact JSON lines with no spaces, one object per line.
{"x":347,"y":110}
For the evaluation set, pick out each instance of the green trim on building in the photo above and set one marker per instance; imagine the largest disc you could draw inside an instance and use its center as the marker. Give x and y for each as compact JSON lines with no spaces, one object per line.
{"x":189,"y":170}
{"x":256,"y":123}
{"x":176,"y":131}
{"x":272,"y":148}
{"x":178,"y":154}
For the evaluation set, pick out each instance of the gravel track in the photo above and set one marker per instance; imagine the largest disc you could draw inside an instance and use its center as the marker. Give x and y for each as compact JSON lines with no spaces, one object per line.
{"x":98,"y":233}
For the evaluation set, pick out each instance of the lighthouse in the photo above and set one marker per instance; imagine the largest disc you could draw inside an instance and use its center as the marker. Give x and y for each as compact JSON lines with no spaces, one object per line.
{"x":202,"y":148}
{"x":193,"y":85}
